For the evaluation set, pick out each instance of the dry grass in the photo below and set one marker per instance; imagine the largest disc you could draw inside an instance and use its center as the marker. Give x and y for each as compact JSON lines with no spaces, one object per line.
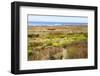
{"x":57,"y":42}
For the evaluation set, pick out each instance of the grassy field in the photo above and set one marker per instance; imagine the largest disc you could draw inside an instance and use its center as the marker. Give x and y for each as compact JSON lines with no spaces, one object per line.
{"x":57,"y":42}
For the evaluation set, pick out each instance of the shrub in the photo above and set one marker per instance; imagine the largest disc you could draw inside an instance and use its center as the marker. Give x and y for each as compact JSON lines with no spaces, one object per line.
{"x":33,"y":35}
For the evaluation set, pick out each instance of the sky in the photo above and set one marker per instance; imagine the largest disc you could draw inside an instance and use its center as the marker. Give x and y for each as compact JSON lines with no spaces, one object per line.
{"x":40,"y":20}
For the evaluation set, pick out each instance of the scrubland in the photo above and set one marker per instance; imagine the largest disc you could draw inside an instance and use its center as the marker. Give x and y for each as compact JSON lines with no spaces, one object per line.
{"x":57,"y":42}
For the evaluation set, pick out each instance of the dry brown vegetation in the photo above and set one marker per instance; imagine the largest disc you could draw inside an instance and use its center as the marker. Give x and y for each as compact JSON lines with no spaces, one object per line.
{"x":57,"y":42}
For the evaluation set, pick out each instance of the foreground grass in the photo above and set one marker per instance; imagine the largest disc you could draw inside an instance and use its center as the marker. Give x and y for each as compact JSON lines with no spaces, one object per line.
{"x":51,"y":45}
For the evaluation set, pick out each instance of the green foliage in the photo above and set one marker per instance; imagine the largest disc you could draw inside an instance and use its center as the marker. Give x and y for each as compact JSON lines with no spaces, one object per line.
{"x":55,"y":39}
{"x":30,"y":52}
{"x":33,"y":35}
{"x":59,"y":40}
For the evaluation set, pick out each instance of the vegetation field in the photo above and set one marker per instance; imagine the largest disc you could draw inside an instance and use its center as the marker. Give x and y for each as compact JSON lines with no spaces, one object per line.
{"x":57,"y":42}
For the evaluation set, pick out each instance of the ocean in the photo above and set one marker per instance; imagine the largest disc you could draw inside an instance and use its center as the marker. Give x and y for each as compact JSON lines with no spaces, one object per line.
{"x":54,"y":23}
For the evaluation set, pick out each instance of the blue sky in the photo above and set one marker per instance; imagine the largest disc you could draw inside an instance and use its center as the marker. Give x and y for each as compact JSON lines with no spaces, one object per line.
{"x":40,"y":20}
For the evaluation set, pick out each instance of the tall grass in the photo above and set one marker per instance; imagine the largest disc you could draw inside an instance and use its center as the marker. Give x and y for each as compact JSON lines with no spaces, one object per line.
{"x":51,"y":45}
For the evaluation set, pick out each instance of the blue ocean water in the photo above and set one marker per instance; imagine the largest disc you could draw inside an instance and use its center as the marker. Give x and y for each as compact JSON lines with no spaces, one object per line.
{"x":53,"y":23}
